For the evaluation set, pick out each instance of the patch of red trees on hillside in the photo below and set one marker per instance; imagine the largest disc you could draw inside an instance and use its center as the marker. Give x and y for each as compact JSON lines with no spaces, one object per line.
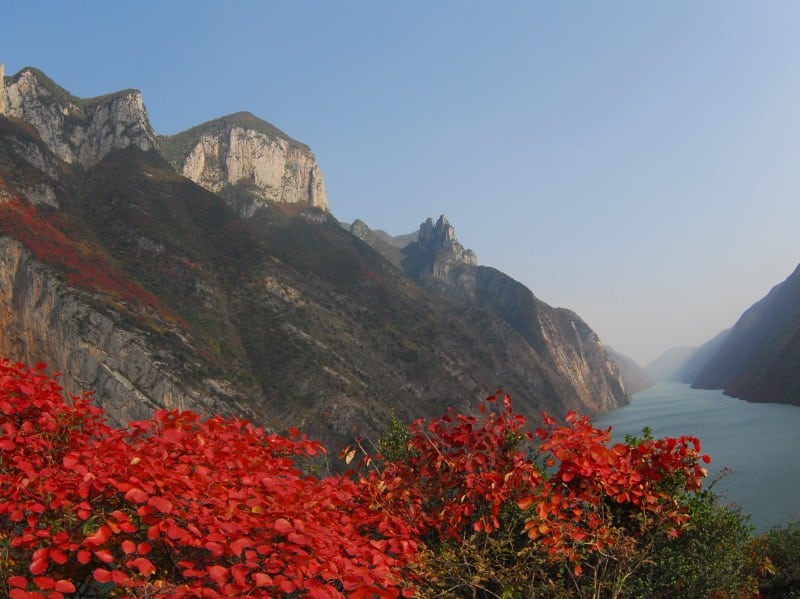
{"x":81,"y":263}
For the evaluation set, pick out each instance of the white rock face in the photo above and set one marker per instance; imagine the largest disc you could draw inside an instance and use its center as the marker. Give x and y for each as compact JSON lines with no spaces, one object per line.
{"x":81,"y":131}
{"x":275,"y":169}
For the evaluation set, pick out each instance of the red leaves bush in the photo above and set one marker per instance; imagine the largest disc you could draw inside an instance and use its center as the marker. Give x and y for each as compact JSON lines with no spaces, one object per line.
{"x":175,"y":506}
{"x":184,"y":506}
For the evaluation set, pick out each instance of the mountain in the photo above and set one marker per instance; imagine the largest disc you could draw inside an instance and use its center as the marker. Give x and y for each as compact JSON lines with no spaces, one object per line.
{"x":759,"y":360}
{"x":635,"y":377}
{"x":698,"y":359}
{"x":205,"y":271}
{"x":569,"y":352}
{"x":669,"y":365}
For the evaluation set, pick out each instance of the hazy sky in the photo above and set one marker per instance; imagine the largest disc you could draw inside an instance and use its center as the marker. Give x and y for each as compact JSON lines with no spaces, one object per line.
{"x":637,"y":162}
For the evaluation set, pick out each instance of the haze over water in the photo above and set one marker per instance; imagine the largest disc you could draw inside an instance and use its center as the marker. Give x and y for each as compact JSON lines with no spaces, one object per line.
{"x":759,"y":443}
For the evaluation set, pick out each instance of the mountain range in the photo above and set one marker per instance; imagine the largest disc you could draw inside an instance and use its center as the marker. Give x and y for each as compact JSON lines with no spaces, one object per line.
{"x":205,"y":271}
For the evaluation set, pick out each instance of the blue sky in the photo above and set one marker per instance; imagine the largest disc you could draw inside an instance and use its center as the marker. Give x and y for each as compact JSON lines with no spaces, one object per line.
{"x":637,"y":162}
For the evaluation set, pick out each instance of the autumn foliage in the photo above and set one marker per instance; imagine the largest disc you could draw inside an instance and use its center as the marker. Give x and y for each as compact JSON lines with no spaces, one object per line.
{"x":176,"y":506}
{"x":185,"y":506}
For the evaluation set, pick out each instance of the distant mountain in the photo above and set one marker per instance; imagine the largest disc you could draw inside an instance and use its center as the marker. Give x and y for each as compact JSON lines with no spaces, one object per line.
{"x":698,"y":359}
{"x":205,"y":271}
{"x":669,"y":365}
{"x":636,"y":378}
{"x":759,"y":360}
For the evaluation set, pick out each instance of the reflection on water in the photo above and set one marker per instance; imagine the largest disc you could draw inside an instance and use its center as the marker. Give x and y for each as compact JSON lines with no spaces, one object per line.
{"x":759,"y":443}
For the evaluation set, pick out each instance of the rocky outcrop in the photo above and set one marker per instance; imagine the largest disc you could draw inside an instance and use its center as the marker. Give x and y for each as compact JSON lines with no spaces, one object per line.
{"x":77,"y":130}
{"x":43,"y":319}
{"x":249,"y":162}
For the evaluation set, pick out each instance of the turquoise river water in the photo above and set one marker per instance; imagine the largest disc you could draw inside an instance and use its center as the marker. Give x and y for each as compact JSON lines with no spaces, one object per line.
{"x":758,"y":443}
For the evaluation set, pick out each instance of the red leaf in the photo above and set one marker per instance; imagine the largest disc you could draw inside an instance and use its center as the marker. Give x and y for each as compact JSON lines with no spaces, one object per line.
{"x":104,"y":555}
{"x":100,"y":536}
{"x":136,"y":495}
{"x":162,"y":504}
{"x":143,"y":565}
{"x":39,"y":566}
{"x":44,"y":583}
{"x":218,"y":574}
{"x":128,"y":547}
{"x":173,"y":435}
{"x":65,"y":586}
{"x":101,"y":575}
{"x":283,"y":526}
{"x":239,"y":545}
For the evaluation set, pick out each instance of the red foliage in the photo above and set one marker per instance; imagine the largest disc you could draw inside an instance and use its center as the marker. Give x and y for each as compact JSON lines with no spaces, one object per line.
{"x":176,"y":506}
{"x":182,"y":506}
{"x":459,"y":473}
{"x":598,"y":494}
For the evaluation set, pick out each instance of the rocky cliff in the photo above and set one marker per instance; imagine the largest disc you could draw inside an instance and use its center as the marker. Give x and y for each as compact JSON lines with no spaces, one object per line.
{"x":151,"y":290}
{"x":93,"y":348}
{"x":248,"y":161}
{"x":76,"y":130}
{"x":759,"y":359}
{"x":635,"y":377}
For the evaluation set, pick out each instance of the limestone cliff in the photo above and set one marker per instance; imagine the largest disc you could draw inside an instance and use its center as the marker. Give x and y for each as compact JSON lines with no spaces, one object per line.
{"x":77,"y":130}
{"x":43,"y":319}
{"x":247,"y":161}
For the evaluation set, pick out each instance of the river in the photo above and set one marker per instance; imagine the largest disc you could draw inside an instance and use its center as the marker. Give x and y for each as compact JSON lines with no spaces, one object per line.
{"x":759,"y":443}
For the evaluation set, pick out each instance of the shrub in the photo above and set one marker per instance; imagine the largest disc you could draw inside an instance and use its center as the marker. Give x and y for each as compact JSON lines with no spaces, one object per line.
{"x":780,"y":578}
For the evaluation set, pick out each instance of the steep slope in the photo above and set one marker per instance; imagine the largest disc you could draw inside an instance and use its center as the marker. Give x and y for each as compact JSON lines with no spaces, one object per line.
{"x":635,"y":377}
{"x":759,"y":360}
{"x":153,"y":291}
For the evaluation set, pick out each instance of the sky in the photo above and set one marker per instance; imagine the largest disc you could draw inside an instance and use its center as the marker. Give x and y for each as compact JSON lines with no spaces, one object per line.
{"x":636,"y":162}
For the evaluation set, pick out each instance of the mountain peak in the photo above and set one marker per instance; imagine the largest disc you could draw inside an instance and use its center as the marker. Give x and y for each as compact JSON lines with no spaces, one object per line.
{"x":77,"y":130}
{"x":248,"y":161}
{"x":440,"y":239}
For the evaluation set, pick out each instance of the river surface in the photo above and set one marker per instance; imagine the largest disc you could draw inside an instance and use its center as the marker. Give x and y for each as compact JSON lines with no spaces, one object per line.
{"x":759,"y":443}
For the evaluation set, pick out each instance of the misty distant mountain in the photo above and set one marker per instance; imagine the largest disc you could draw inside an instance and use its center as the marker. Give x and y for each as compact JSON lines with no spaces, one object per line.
{"x":759,"y":360}
{"x":698,"y":360}
{"x":669,"y":365}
